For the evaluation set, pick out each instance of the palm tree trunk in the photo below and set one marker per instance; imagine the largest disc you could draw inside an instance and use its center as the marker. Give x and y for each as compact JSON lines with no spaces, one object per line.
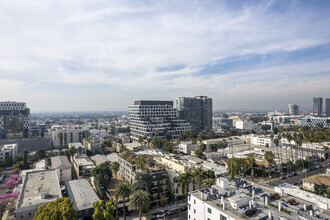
{"x":116,"y":207}
{"x":124,"y":209}
{"x":140,"y":213}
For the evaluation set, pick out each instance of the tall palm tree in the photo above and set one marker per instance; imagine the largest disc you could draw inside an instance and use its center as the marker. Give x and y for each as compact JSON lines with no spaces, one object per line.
{"x":269,"y":157}
{"x":185,"y":179}
{"x":232,"y":167}
{"x":141,"y":163}
{"x":276,"y":144}
{"x":198,"y":173}
{"x":208,"y":182}
{"x":114,"y":166}
{"x":251,"y":161}
{"x":140,"y":200}
{"x":123,"y":191}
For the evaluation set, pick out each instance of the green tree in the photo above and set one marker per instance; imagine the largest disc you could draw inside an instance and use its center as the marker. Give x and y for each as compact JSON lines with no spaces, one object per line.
{"x":141,"y":163}
{"x":168,"y":147}
{"x":269,"y":157}
{"x":200,"y":137}
{"x":26,"y":164}
{"x":232,"y":167}
{"x":140,"y":200}
{"x":102,"y":176}
{"x":114,"y":166}
{"x":61,"y":208}
{"x":40,"y":154}
{"x":60,"y":136}
{"x":250,"y":162}
{"x":208,"y":183}
{"x":198,"y":174}
{"x":8,"y":161}
{"x":104,"y":211}
{"x":123,"y":191}
{"x":72,"y":151}
{"x":211,"y":134}
{"x":142,"y":181}
{"x":185,"y":179}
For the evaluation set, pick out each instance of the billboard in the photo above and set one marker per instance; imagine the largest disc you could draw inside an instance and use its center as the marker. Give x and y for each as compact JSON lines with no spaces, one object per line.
{"x":316,"y":112}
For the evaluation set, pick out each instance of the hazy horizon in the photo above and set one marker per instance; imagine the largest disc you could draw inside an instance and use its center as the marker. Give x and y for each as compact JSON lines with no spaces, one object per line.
{"x":81,"y":55}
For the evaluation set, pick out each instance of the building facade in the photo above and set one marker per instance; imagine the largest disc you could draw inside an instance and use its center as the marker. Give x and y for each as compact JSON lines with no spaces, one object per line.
{"x":155,"y":118}
{"x":197,"y":111}
{"x":315,"y":121}
{"x":293,"y":109}
{"x":83,"y":197}
{"x":317,"y":106}
{"x":62,"y":135}
{"x":39,"y":188}
{"x":8,"y":150}
{"x":327,"y":107}
{"x":62,"y":164}
{"x":14,"y":120}
{"x":94,"y":144}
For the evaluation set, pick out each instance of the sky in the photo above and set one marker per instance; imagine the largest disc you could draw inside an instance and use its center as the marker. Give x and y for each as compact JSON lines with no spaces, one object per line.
{"x":101,"y":55}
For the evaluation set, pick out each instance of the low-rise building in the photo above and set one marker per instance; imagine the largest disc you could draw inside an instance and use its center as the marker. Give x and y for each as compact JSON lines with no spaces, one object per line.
{"x":132,"y":146}
{"x":244,"y":125}
{"x":80,"y":149}
{"x":62,"y":164}
{"x":8,"y":150}
{"x":64,"y":134}
{"x":82,"y":165}
{"x":83,"y":197}
{"x":187,"y":147}
{"x":39,"y":188}
{"x":316,"y":181}
{"x":263,"y":141}
{"x":99,"y":158}
{"x":94,"y":144}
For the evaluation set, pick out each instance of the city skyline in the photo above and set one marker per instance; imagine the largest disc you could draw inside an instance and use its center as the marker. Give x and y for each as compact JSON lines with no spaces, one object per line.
{"x":87,"y":55}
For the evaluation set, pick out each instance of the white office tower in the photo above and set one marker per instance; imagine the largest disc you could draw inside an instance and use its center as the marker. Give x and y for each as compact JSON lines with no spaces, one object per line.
{"x":293,"y":109}
{"x":155,"y":119}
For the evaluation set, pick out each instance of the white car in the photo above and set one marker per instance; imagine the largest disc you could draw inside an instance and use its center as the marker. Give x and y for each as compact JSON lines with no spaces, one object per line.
{"x":305,"y":170}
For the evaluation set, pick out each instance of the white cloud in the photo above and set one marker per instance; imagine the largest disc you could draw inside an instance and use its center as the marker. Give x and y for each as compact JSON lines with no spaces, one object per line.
{"x":124,"y":44}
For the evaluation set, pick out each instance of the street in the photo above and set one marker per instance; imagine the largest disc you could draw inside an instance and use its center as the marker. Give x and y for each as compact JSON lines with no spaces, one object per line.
{"x":300,"y":176}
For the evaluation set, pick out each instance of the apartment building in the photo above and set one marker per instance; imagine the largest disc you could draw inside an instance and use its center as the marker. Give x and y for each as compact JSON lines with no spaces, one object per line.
{"x":197,"y":111}
{"x":39,"y":188}
{"x":14,"y":120}
{"x":94,"y":144}
{"x":155,"y":118}
{"x":62,"y":164}
{"x":187,"y":147}
{"x":8,"y":150}
{"x":83,"y":166}
{"x":263,"y":141}
{"x":310,"y":121}
{"x":62,"y":135}
{"x":83,"y":197}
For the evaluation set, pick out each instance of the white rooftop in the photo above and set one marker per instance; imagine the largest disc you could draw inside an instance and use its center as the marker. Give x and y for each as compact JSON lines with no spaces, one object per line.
{"x":76,"y":145}
{"x":81,"y":193}
{"x":99,"y":158}
{"x":39,"y":187}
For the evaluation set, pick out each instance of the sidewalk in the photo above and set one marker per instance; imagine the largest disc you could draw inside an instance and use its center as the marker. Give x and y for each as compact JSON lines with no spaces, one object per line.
{"x":135,"y":216}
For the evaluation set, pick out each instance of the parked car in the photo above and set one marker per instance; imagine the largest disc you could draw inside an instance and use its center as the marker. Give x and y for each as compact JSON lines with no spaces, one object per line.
{"x":295,"y":173}
{"x":275,"y":196}
{"x":283,"y":203}
{"x":172,"y":211}
{"x":292,"y":202}
{"x":184,"y":208}
{"x":282,"y":177}
{"x":305,"y":170}
{"x":317,"y":167}
{"x":161,"y":215}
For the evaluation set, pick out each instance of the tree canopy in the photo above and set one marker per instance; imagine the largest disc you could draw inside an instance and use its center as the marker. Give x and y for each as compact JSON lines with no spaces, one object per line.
{"x":61,"y":208}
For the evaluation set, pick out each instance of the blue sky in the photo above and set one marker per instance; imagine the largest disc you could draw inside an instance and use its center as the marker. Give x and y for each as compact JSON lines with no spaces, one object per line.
{"x":83,"y":55}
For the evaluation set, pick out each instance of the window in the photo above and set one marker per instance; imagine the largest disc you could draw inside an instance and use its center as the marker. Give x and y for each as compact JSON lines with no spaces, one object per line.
{"x":189,"y":217}
{"x":194,"y":201}
{"x":209,"y":210}
{"x":223,"y":217}
{"x":195,"y":211}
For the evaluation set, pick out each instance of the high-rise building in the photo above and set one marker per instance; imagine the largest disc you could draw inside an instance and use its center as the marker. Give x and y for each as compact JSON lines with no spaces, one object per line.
{"x":317,"y":106}
{"x":293,"y":109}
{"x":197,"y":111}
{"x":327,"y":107}
{"x":155,"y":118}
{"x":14,"y":120}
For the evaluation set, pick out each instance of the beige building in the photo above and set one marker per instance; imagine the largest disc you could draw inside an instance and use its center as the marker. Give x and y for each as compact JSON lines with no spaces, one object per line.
{"x":322,"y":181}
{"x":83,"y":165}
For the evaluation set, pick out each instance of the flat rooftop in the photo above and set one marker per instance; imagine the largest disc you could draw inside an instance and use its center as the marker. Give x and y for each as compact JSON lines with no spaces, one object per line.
{"x":99,"y":158}
{"x":39,"y":187}
{"x":76,"y":145}
{"x":241,"y":196}
{"x":83,"y":160}
{"x":153,"y":102}
{"x":81,"y":193}
{"x":60,"y":162}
